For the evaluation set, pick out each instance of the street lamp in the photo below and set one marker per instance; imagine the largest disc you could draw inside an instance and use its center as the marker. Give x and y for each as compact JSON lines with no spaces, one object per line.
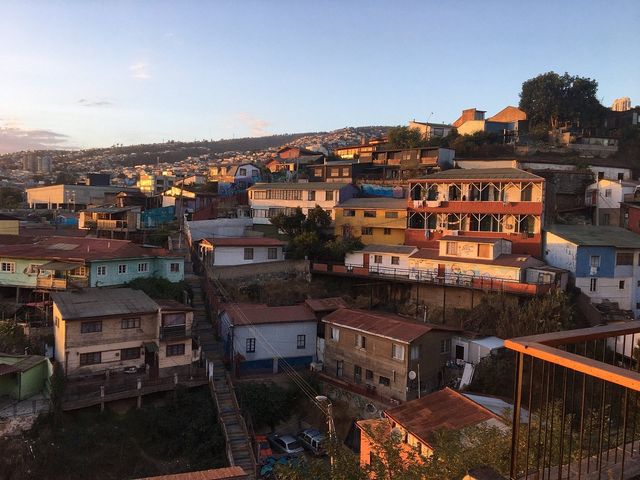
{"x":330,"y":425}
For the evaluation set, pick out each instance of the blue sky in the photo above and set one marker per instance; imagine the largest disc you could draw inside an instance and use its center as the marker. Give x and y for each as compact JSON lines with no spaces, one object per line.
{"x":84,"y":73}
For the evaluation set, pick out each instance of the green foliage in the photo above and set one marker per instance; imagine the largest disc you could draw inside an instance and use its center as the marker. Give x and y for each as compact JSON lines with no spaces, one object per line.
{"x":307,"y":233}
{"x":549,"y":99}
{"x":405,"y":137}
{"x":56,"y":396}
{"x":335,"y":250}
{"x":66,"y":178}
{"x":291,"y":225}
{"x":160,"y":288}
{"x":480,"y":144}
{"x":267,"y":403}
{"x":182,"y":436}
{"x":494,"y":374}
{"x":10,"y":197}
{"x":499,"y":315}
{"x":12,"y":338}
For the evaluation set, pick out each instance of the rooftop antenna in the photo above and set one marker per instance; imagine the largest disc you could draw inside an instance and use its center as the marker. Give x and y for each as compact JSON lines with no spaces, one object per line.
{"x":429,"y":117}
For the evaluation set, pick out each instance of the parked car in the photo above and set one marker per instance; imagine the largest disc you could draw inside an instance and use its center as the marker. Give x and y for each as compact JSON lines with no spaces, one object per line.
{"x":263,"y":448}
{"x":312,"y":440}
{"x":285,"y":444}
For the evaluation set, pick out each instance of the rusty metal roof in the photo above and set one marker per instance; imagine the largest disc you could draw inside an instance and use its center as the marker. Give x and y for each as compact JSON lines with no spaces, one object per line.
{"x":226,"y":473}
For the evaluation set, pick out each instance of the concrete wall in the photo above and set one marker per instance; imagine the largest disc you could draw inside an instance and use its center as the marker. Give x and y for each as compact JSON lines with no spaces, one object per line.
{"x":235,"y":256}
{"x":298,"y":268}
{"x":357,"y":259}
{"x":557,"y":252}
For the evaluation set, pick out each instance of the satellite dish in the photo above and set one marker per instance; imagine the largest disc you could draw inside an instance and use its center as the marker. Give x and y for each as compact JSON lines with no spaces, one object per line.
{"x":412,"y":375}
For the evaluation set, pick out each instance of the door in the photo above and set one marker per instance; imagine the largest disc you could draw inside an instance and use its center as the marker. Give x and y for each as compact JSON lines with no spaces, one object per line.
{"x":441,"y":270}
{"x":459,"y":352}
{"x":151,"y":363}
{"x":365,"y":260}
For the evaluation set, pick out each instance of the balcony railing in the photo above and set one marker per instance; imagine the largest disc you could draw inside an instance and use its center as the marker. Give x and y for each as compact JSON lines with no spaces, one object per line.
{"x":175,"y":333}
{"x":576,"y":404}
{"x":419,"y":276}
{"x":51,"y":283}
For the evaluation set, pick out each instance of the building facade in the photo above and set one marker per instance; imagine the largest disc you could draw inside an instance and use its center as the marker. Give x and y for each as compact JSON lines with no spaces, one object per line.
{"x":605,"y":196}
{"x":374,"y":220}
{"x":495,"y":202}
{"x":228,"y":251}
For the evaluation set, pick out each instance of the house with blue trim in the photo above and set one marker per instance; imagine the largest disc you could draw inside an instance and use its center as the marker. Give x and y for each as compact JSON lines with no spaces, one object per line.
{"x":604,"y":261}
{"x":262,"y":339}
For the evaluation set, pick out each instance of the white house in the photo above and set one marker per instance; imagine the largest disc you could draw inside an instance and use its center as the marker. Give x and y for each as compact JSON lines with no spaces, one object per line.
{"x":604,"y":261}
{"x":224,"y":251}
{"x":384,"y":259}
{"x":269,"y":199}
{"x":472,"y":350}
{"x":605,"y":197}
{"x":218,"y":227}
{"x":268,"y":339}
{"x":247,"y":170}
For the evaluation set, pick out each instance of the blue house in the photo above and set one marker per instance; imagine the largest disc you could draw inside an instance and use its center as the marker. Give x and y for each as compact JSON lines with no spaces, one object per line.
{"x":604,"y":261}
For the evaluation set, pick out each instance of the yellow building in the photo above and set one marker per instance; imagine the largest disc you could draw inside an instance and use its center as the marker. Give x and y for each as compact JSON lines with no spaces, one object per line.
{"x":9,"y":225}
{"x":374,"y":220}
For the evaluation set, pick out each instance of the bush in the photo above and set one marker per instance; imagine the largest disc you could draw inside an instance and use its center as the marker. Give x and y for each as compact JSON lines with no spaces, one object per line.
{"x":160,"y":288}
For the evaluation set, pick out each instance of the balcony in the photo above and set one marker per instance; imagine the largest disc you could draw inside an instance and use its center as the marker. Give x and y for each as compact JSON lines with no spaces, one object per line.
{"x":178,"y":332}
{"x":49,"y":283}
{"x":476,"y":206}
{"x":417,"y":276}
{"x":576,"y":404}
{"x":104,"y":224}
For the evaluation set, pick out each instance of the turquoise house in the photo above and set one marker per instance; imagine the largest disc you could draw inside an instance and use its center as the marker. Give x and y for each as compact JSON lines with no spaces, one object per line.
{"x":23,"y":376}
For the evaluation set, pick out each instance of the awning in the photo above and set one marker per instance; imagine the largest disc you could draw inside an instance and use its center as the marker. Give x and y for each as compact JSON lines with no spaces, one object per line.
{"x":150,"y":347}
{"x":60,"y":266}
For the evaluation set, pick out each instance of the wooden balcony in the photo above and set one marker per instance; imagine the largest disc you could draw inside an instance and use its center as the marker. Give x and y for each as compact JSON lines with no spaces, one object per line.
{"x":50,"y":283}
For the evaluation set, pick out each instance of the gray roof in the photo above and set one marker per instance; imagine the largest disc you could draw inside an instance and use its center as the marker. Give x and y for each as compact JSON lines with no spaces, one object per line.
{"x":600,"y":236}
{"x":106,"y":209}
{"x":299,"y":186}
{"x":483,"y":174}
{"x":401,"y":249}
{"x":391,"y":203}
{"x":102,"y":302}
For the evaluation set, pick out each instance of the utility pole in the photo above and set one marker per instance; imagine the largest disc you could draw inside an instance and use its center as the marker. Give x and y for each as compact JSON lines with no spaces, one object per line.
{"x":331,"y":428}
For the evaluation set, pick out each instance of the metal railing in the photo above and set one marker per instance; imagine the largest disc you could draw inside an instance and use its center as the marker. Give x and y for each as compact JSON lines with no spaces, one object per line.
{"x":175,"y":333}
{"x":577,"y":404}
{"x":489,"y":284}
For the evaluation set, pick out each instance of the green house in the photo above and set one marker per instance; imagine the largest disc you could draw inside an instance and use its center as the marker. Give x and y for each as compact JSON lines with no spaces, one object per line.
{"x":23,"y":376}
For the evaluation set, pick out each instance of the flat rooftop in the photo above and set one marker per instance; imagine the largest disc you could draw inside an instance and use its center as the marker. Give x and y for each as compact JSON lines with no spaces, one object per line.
{"x":596,"y":236}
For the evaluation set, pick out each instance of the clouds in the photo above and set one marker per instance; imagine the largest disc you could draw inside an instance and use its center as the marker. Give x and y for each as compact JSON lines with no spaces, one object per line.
{"x":140,"y":71}
{"x":14,"y":138}
{"x":257,"y":126}
{"x":94,"y":103}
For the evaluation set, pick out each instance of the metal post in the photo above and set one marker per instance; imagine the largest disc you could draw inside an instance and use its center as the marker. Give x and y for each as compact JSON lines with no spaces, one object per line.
{"x":516,"y":415}
{"x":419,"y":386}
{"x":331,"y":428}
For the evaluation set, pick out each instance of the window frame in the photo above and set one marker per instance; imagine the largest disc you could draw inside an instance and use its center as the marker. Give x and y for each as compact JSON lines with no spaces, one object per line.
{"x":382,"y":380}
{"x":248,"y":253}
{"x":134,"y":351}
{"x":250,"y":345}
{"x":334,"y":334}
{"x":176,"y":269}
{"x":90,"y":355}
{"x":301,"y":342}
{"x":174,"y":350}
{"x":101,"y":271}
{"x":94,"y":326}
{"x":366,"y":231}
{"x":395,"y":260}
{"x":391,"y":215}
{"x":624,"y":259}
{"x":122,"y":269}
{"x":361,"y":341}
{"x":272,"y":253}
{"x":369,"y":214}
{"x":445,"y":346}
{"x":143,"y":267}
{"x":395,"y":348}
{"x":7,"y":267}
{"x":130,"y":323}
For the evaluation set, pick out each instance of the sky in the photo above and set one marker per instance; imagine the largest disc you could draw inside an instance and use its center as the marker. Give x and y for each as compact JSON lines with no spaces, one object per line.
{"x":79,"y":74}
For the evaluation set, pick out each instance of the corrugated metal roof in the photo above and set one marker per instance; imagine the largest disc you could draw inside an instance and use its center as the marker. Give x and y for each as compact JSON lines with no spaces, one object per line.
{"x":384,"y":325}
{"x":388,"y":203}
{"x":103,"y":302}
{"x":469,"y":174}
{"x":600,"y":236}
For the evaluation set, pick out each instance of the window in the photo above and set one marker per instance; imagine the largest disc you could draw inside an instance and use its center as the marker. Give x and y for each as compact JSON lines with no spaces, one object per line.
{"x":361,"y":341}
{"x":621,"y":284}
{"x":445,"y":345}
{"x":620,"y":176}
{"x":129,"y":353}
{"x":90,"y":358}
{"x":384,"y":381}
{"x":248,"y":253}
{"x":370,"y":214}
{"x":328,"y":195}
{"x":311,"y":195}
{"x":335,"y":334}
{"x":8,"y":267}
{"x":366,"y":230}
{"x":122,"y":268}
{"x":415,"y":352}
{"x":606,"y":219}
{"x":242,"y":172}
{"x":357,"y":373}
{"x":174,"y":268}
{"x":334,"y":172}
{"x":600,"y":175}
{"x":484,"y":250}
{"x":127,"y":323}
{"x":301,"y":342}
{"x":625,"y":258}
{"x":250,"y":345}
{"x":526,"y":193}
{"x":272,"y":253}
{"x":387,"y":231}
{"x":395,"y":260}
{"x":607,"y":193}
{"x":175,"y":350}
{"x":349,"y":213}
{"x":143,"y":267}
{"x":369,"y":374}
{"x":101,"y":271}
{"x":90,"y":327}
{"x":79,"y":272}
{"x":390,"y":214}
{"x":377,"y":259}
{"x":593,"y":285}
{"x":397,"y":352}
{"x":452,"y":248}
{"x":594,"y":261}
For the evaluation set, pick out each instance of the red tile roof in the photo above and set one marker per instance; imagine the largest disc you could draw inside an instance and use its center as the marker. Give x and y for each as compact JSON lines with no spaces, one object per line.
{"x":251,"y":313}
{"x":445,"y":409}
{"x":70,"y":248}
{"x":382,"y":324}
{"x":245,"y":242}
{"x":226,"y":473}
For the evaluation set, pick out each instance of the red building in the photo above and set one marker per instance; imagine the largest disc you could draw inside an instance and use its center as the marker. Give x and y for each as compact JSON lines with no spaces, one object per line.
{"x":489,"y":202}
{"x":630,"y":216}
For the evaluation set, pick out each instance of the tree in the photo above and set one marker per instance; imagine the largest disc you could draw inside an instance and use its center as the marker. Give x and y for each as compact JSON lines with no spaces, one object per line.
{"x":405,"y":137}
{"x":307,"y":233}
{"x":10,"y":197}
{"x":66,"y":178}
{"x":549,"y":99}
{"x":292,"y":224}
{"x":318,"y":220}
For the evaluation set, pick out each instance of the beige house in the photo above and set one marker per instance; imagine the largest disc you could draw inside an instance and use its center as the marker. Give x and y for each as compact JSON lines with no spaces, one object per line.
{"x":9,"y":225}
{"x":117,"y":330}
